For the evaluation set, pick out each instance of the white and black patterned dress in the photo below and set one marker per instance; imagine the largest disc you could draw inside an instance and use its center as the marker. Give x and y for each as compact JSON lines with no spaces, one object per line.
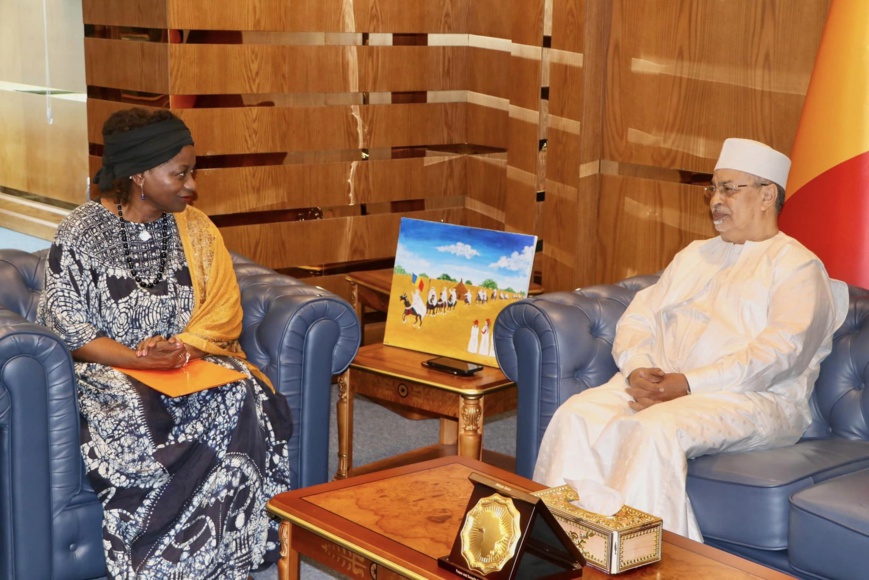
{"x":183,"y":481}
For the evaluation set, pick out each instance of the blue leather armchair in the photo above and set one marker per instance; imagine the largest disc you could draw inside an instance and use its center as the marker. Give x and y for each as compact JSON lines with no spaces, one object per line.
{"x":802,"y":509}
{"x":50,"y":519}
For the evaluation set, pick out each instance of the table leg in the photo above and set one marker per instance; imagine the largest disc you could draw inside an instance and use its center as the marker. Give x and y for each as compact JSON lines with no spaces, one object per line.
{"x":471,"y":427}
{"x":359,"y":308}
{"x":288,"y":565}
{"x":449,"y":431}
{"x":345,"y":425}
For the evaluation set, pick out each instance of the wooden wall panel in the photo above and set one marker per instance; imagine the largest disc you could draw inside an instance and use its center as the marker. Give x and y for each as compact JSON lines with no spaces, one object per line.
{"x":488,"y":72}
{"x":524,"y":142}
{"x":403,"y":179}
{"x":239,"y":130}
{"x":139,"y":13}
{"x":493,"y":18}
{"x":377,"y":16}
{"x":562,"y":212}
{"x":319,"y":242}
{"x":527,"y":77}
{"x":562,"y":159}
{"x":280,"y":187}
{"x":726,"y":68}
{"x":641,"y":221}
{"x":576,"y":73}
{"x":569,"y":21}
{"x":526,"y":125}
{"x":328,"y":185}
{"x":130,"y":65}
{"x":520,"y":211}
{"x":430,"y":124}
{"x":487,"y":126}
{"x":229,"y":69}
{"x":527,"y":24}
{"x":486,"y":190}
{"x":576,"y":120}
{"x":565,"y":90}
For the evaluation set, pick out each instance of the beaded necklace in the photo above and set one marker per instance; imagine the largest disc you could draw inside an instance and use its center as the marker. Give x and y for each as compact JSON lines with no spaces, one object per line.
{"x":144,"y":236}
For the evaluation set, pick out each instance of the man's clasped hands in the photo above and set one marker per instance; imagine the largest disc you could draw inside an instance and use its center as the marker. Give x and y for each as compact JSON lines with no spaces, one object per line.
{"x":650,"y":386}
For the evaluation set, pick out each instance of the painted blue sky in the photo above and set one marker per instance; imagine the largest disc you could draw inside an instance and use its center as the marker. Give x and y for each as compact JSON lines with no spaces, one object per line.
{"x":474,"y":254}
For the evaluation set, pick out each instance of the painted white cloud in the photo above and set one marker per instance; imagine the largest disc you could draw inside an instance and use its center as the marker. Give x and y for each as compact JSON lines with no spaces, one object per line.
{"x":459,"y":249}
{"x":516,"y":261}
{"x":411,"y":262}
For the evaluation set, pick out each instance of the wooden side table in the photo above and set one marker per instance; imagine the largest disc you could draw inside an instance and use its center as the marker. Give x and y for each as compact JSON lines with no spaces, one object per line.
{"x":396,"y":378}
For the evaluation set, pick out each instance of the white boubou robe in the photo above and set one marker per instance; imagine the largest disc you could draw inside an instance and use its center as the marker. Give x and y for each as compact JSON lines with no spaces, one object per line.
{"x":748,"y":325}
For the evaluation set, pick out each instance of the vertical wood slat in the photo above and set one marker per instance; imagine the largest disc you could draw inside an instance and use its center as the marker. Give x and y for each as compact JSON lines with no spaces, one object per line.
{"x":523,"y":128}
{"x":568,"y":223}
{"x":595,"y":58}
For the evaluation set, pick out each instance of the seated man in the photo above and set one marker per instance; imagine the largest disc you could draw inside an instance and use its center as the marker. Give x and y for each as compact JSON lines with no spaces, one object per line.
{"x":721,"y":354}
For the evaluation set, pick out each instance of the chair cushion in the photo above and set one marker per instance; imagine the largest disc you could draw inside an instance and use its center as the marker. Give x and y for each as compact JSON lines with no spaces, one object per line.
{"x":743,"y":498}
{"x":829,"y":528}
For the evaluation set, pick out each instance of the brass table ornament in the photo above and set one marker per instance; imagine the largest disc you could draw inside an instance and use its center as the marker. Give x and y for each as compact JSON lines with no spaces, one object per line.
{"x":508,"y":534}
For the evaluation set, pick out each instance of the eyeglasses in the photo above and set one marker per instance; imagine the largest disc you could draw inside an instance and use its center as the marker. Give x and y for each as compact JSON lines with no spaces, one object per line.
{"x":727,"y":190}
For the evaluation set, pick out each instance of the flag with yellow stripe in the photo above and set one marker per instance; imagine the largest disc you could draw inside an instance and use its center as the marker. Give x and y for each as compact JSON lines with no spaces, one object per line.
{"x":827,"y":207}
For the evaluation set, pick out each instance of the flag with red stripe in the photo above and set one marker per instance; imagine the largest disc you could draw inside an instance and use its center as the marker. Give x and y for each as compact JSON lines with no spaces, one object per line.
{"x":827,"y":206}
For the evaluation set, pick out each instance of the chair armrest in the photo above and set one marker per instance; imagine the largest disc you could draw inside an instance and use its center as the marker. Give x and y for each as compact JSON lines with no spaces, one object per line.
{"x":553,"y":346}
{"x":300,"y":336}
{"x":41,"y":469}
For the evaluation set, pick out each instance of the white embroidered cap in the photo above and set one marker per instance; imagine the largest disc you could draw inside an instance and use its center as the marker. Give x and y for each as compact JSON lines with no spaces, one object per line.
{"x":756,"y":158}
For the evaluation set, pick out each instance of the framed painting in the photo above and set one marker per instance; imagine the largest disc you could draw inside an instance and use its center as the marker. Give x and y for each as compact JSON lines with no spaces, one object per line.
{"x":450,"y":282}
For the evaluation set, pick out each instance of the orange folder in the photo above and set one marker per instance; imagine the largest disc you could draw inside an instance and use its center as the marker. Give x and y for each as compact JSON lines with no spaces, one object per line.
{"x":198,"y":375}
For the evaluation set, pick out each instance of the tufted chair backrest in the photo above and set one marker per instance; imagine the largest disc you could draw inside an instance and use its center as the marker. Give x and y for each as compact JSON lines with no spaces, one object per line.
{"x":839,"y":403}
{"x":21,"y":281}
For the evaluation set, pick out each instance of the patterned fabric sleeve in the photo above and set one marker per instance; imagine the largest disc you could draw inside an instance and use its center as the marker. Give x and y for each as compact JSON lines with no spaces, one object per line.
{"x":64,"y":305}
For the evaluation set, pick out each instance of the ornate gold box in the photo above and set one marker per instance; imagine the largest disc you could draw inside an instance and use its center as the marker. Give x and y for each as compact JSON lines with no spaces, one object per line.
{"x":627,"y":540}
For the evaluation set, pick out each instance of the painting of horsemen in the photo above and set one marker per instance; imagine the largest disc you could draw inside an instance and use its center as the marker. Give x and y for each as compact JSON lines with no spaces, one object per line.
{"x":450,"y":282}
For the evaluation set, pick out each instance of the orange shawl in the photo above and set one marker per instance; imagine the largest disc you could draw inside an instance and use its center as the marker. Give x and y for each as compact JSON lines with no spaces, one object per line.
{"x":215,"y":323}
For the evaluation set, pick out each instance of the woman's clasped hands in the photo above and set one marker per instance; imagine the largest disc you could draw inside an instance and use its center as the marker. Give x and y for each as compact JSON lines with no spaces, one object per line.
{"x":163,"y":353}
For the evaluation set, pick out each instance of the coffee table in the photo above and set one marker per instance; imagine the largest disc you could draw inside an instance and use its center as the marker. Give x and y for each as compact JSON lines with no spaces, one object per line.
{"x":394,"y":377}
{"x":370,"y":289}
{"x":396,"y":523}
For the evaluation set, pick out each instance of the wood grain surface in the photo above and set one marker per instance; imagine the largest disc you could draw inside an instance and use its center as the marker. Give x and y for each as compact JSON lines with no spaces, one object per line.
{"x":589,"y":124}
{"x":406,"y":517}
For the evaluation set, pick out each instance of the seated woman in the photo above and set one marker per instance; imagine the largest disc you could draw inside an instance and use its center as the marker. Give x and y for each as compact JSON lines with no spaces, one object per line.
{"x":139,"y":279}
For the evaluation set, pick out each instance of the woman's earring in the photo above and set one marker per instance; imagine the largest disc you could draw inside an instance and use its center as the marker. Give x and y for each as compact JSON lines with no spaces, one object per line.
{"x":142,"y":188}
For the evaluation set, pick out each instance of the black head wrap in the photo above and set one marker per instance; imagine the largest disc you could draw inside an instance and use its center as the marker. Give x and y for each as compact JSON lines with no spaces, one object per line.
{"x":132,"y":152}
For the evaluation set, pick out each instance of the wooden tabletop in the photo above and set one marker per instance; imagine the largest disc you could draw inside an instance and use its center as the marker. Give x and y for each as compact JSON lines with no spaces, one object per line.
{"x":405,"y":518}
{"x":379,"y":280}
{"x":407,"y":365}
